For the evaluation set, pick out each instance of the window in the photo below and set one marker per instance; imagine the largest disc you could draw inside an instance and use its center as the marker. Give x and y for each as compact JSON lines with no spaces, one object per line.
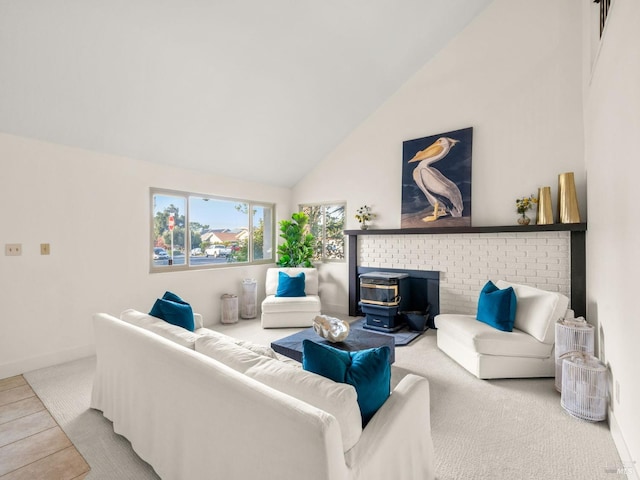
{"x":204,"y":231}
{"x":326,"y":222}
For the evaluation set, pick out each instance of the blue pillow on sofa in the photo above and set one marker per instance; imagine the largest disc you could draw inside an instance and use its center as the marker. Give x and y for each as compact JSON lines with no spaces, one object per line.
{"x":496,"y":307}
{"x":173,"y":297}
{"x":367,"y":370}
{"x":172,"y":309}
{"x":290,"y":286}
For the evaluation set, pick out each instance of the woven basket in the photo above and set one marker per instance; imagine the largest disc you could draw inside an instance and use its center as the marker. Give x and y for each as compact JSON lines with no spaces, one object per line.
{"x":573,"y":335}
{"x":584,"y":387}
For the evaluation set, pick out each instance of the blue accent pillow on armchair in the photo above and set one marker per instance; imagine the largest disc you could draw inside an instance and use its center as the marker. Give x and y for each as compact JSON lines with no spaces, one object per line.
{"x":497,"y":307}
{"x":367,"y":370}
{"x":290,"y":286}
{"x":172,"y":309}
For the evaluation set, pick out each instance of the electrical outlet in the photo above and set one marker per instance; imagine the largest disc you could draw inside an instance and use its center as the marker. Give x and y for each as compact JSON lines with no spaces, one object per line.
{"x":13,"y":249}
{"x":45,"y":249}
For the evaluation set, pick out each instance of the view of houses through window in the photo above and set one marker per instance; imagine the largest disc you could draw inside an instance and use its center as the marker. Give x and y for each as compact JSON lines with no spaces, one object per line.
{"x":326,"y":223}
{"x":192,"y":230}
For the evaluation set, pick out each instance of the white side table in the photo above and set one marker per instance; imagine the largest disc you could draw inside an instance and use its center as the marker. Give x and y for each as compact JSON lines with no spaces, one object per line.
{"x":572,"y":335}
{"x":584,"y":387}
{"x":229,"y":308}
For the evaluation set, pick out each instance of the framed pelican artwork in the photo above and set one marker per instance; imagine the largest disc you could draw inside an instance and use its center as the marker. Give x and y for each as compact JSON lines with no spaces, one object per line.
{"x":436,"y":180}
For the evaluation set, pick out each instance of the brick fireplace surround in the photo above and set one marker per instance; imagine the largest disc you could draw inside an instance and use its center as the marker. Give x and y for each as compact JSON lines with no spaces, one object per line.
{"x":549,"y":257}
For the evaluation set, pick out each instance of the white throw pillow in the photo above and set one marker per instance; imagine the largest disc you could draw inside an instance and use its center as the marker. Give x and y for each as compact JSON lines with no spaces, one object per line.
{"x":537,"y":310}
{"x":337,"y":399}
{"x":228,"y":352}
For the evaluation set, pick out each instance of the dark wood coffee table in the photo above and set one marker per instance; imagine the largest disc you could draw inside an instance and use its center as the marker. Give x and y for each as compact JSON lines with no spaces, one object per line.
{"x":291,"y":346}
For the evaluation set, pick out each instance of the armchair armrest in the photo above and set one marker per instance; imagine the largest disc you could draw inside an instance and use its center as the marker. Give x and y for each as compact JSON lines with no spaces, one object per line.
{"x":397,"y":442}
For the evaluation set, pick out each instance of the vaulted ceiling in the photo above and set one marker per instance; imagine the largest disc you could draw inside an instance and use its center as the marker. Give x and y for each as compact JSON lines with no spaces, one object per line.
{"x":261,"y":90}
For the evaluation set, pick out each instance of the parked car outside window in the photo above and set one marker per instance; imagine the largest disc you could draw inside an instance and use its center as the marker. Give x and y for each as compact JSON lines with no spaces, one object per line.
{"x":160,"y":254}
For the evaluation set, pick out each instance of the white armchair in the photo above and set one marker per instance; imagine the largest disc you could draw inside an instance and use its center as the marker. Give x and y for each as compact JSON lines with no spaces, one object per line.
{"x":280,"y":312}
{"x":527,"y":351}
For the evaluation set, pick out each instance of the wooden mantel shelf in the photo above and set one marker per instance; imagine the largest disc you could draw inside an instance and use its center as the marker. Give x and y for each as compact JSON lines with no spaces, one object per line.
{"x":578,"y":253}
{"x":555,"y":227}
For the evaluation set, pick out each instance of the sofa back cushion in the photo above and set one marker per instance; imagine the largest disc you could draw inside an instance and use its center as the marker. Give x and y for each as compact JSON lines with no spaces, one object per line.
{"x":537,"y":310}
{"x":310,"y":279}
{"x":226,"y":351}
{"x":337,"y":399}
{"x":171,"y":332}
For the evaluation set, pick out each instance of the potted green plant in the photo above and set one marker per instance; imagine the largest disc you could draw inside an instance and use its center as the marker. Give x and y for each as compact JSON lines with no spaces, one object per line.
{"x":298,"y":246}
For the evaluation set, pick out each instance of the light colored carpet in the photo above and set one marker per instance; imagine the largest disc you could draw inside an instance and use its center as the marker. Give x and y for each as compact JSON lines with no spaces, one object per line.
{"x":499,"y":429}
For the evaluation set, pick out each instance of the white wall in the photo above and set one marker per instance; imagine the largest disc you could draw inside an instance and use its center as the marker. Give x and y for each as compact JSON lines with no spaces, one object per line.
{"x":94,"y":211}
{"x":515,"y":75}
{"x":612,"y":120}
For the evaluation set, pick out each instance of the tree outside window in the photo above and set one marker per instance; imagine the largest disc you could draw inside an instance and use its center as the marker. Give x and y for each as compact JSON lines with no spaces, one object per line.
{"x":326,"y":224}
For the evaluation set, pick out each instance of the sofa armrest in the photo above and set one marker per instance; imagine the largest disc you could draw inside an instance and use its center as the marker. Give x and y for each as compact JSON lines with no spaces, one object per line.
{"x":397,"y":442}
{"x":198,"y":321}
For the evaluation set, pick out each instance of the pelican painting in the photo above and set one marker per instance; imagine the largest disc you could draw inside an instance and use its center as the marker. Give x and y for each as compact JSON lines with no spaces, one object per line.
{"x":434,"y":170}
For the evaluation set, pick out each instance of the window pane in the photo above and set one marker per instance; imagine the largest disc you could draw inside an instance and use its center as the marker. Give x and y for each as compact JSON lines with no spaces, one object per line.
{"x":326,"y":223}
{"x":334,"y":236}
{"x":168,"y":243}
{"x":262,"y":233}
{"x":218,"y":229}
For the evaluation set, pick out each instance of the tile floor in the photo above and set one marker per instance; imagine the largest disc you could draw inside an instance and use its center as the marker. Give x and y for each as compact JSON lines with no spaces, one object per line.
{"x":32,"y":444}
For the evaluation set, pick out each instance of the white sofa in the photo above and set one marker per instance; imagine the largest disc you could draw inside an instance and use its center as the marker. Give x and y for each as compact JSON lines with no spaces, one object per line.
{"x":282,"y":312}
{"x":192,"y":416}
{"x":527,"y":351}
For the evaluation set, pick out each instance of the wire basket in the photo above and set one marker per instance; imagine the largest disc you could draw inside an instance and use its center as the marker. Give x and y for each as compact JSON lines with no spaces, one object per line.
{"x":584,"y":387}
{"x":572,"y":335}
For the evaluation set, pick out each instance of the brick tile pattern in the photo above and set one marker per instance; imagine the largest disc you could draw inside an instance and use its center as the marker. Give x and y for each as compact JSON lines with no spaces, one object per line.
{"x":467,"y":261}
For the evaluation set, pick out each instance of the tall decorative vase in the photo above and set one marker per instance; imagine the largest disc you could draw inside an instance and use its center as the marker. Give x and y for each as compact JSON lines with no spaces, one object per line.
{"x":545,"y":212}
{"x":249,"y":301}
{"x":567,"y":199}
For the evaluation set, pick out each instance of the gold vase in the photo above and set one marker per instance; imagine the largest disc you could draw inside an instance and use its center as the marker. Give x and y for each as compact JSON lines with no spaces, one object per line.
{"x":567,"y":199}
{"x":544,"y":215}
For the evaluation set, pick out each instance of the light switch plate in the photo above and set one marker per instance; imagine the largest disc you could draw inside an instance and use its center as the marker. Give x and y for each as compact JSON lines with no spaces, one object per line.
{"x":45,"y":249}
{"x":13,"y":249}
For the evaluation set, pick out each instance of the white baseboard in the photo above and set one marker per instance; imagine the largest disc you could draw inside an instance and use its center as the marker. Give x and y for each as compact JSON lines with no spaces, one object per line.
{"x":47,"y":360}
{"x":628,"y":466}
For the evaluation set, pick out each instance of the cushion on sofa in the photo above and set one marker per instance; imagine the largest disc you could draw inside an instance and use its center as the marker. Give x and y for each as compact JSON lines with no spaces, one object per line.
{"x":254,"y":347}
{"x":310,"y":279}
{"x":310,"y":303}
{"x":537,"y":310}
{"x":171,"y":332}
{"x":367,"y":370}
{"x":197,"y":318}
{"x":290,"y":286}
{"x":178,"y":314}
{"x":337,"y":399}
{"x":227,"y":352}
{"x":485,"y":340}
{"x":497,"y":307}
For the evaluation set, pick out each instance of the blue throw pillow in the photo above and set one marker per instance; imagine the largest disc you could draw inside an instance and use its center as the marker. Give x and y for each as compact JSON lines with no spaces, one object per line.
{"x":497,"y":307}
{"x":179,"y":314}
{"x":173,"y":297}
{"x":367,"y":370}
{"x":290,"y":286}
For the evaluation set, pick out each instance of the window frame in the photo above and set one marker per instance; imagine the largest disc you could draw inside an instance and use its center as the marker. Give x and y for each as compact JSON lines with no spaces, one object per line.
{"x":153,"y":191}
{"x":324,"y":205}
